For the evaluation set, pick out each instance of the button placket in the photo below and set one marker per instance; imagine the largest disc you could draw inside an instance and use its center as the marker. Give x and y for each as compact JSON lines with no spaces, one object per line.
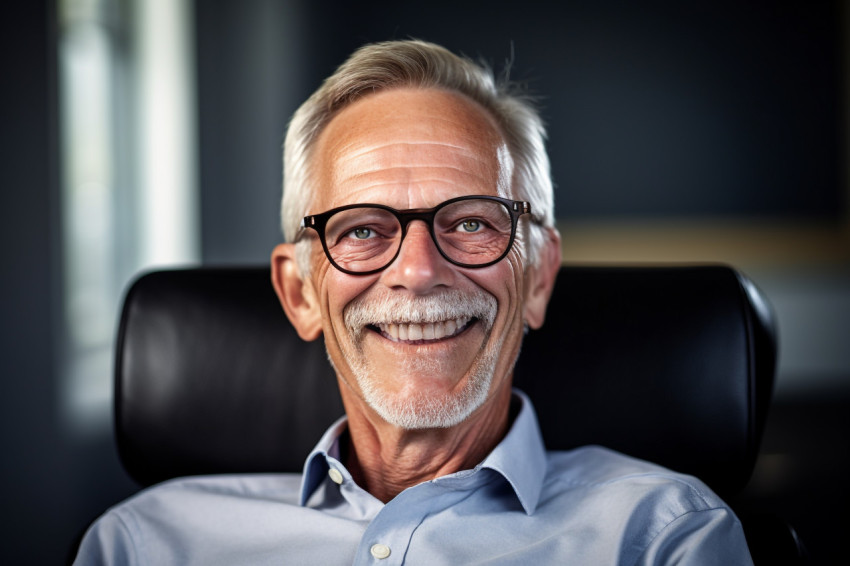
{"x":387,"y":538}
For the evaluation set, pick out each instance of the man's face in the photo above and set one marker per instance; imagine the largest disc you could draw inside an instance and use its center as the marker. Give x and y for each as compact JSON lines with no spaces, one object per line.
{"x":423,"y":343}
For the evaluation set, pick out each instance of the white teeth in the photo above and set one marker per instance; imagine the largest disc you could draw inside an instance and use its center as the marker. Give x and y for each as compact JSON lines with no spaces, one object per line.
{"x":428,"y":331}
{"x":450,"y":327}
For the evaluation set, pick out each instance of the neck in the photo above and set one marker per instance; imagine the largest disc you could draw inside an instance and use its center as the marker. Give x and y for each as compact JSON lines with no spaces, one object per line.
{"x":385,"y":460}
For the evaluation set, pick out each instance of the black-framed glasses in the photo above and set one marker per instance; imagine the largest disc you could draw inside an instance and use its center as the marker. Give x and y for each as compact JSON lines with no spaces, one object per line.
{"x":470,"y":231}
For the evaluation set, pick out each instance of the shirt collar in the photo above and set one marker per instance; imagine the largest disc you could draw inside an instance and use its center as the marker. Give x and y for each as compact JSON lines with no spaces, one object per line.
{"x":520,"y":457}
{"x":316,"y":466}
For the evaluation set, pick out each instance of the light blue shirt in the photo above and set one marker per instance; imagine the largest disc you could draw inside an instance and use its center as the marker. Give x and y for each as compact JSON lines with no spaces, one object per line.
{"x":521,"y":505}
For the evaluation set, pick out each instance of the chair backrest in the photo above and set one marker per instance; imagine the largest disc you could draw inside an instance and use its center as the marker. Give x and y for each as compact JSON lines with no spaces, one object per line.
{"x":671,"y":364}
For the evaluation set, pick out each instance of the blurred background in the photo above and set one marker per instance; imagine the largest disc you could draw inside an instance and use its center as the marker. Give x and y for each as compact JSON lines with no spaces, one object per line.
{"x":145,"y":133}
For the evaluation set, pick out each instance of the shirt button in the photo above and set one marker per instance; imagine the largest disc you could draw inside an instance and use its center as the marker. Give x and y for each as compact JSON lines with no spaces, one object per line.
{"x":380,"y":551}
{"x":335,"y":475}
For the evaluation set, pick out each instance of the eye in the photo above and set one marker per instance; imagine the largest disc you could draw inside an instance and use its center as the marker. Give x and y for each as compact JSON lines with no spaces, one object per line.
{"x":469,"y":225}
{"x":361,"y":233}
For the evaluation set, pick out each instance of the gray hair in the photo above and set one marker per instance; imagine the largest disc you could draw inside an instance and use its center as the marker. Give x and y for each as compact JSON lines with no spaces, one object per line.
{"x":414,"y":63}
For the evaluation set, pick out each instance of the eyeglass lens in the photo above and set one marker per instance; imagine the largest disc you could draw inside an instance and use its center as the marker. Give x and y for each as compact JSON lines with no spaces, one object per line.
{"x":470,"y":232}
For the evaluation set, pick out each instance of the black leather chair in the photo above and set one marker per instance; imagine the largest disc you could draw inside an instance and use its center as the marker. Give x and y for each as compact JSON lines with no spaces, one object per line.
{"x":671,"y":364}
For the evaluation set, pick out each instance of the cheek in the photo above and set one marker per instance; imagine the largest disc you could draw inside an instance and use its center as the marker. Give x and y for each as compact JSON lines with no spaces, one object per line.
{"x":514,"y":283}
{"x":337,"y":291}
{"x":506,"y":282}
{"x":513,"y":275}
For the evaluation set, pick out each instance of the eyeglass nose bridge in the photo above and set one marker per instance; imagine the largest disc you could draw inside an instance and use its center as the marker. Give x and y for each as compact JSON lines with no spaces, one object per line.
{"x":427,"y":216}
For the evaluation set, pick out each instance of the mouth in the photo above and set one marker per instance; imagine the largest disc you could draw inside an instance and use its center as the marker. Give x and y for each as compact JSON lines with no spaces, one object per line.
{"x":422,"y":333}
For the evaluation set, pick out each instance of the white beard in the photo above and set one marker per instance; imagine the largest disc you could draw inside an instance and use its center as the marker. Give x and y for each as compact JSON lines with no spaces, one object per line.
{"x":423,"y":410}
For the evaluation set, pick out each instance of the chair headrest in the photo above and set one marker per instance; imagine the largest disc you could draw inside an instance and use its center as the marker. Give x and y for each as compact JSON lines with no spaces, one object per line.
{"x":670,"y":364}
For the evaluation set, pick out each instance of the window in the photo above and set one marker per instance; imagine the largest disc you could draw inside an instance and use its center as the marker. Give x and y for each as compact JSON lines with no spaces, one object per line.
{"x":129,"y":195}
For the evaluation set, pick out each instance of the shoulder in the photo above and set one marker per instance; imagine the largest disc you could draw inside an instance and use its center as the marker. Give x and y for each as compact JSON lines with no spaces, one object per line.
{"x":597,"y":476}
{"x":229,"y":491}
{"x":651,"y":510}
{"x":194,"y":508}
{"x":599,"y":467}
{"x":250,"y":486}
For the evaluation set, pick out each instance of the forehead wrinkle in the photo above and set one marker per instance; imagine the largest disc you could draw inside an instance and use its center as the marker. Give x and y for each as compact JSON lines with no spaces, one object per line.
{"x":468,"y":128}
{"x":404,"y":154}
{"x":476,"y":184}
{"x":352,"y":152}
{"x":462,"y":170}
{"x":363,"y":174}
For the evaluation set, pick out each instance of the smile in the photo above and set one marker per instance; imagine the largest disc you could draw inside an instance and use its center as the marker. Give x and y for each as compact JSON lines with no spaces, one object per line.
{"x":411,"y":332}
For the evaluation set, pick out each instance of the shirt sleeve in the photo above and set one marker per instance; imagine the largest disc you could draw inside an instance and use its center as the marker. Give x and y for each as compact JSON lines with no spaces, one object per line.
{"x":107,"y":542}
{"x":706,"y":538}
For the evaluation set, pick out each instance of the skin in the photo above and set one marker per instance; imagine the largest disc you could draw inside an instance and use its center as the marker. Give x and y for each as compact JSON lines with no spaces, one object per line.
{"x":411,"y":148}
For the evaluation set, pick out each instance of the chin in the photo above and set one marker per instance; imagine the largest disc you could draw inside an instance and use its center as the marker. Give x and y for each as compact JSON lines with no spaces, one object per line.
{"x":425,"y":408}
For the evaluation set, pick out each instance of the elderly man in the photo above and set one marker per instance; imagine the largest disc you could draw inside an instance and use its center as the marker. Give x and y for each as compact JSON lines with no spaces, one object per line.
{"x":419,"y":209}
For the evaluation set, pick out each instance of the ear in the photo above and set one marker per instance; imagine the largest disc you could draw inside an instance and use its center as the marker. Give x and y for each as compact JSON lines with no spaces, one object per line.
{"x":296,"y":294}
{"x":540,"y":280}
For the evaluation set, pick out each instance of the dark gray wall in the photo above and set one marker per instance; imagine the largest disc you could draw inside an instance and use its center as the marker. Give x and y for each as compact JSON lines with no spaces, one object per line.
{"x":28,"y":415}
{"x":251,"y":57}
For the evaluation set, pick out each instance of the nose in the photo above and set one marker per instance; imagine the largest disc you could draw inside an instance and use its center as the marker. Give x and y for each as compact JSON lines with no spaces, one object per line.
{"x":418,"y":267}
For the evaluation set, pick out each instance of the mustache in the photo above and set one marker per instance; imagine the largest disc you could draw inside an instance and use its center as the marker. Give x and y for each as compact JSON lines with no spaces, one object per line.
{"x":385,"y":307}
